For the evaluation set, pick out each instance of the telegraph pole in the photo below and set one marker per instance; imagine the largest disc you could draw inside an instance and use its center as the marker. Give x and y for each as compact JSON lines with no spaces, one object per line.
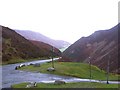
{"x":52,"y":57}
{"x":90,"y":66}
{"x":108,"y":66}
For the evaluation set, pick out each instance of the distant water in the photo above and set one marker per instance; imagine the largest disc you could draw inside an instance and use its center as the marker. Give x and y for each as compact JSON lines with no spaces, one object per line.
{"x":63,"y":49}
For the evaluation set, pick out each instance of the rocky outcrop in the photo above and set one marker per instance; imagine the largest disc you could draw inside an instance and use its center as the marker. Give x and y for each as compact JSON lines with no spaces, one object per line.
{"x":101,"y":46}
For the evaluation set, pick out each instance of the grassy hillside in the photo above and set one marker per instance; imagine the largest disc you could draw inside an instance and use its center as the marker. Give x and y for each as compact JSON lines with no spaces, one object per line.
{"x":16,"y":48}
{"x":80,"y":70}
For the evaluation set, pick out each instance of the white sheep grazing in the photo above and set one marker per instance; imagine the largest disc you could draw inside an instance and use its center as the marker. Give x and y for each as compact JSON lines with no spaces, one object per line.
{"x":21,"y":65}
{"x":31,"y":85}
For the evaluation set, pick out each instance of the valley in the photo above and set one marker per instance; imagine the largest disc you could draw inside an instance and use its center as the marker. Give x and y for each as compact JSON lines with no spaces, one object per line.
{"x":92,"y":59}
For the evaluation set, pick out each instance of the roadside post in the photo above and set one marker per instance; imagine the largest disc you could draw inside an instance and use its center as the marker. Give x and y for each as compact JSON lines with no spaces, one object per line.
{"x":52,"y":56}
{"x":108,"y":66}
{"x":90,"y":66}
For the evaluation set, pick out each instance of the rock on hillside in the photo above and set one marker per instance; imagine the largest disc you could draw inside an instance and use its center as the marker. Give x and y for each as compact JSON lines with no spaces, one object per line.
{"x":16,"y":46}
{"x":30,"y":35}
{"x":101,"y":46}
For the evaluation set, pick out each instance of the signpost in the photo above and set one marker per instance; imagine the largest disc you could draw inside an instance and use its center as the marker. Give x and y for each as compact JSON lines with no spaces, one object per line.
{"x":90,"y":66}
{"x":52,"y":56}
{"x":52,"y":68}
{"x":108,"y":64}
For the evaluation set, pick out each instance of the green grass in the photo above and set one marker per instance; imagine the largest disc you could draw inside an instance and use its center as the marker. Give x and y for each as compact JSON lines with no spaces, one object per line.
{"x":13,"y":61}
{"x":69,"y":85}
{"x":74,"y":69}
{"x":18,"y":60}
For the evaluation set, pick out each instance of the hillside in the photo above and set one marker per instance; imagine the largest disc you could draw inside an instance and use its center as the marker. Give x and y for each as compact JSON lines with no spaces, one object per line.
{"x":101,"y":46}
{"x":30,"y":35}
{"x":14,"y":47}
{"x":46,"y":47}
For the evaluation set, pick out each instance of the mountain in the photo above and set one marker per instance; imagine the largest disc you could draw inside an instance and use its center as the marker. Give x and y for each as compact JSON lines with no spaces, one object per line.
{"x":15,"y":46}
{"x":30,"y":35}
{"x":101,"y":46}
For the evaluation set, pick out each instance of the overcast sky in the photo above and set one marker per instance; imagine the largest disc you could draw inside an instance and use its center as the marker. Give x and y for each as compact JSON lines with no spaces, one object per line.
{"x":59,"y":19}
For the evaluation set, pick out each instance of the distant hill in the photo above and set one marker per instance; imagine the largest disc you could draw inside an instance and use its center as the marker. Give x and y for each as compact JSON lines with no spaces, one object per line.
{"x":46,"y":47}
{"x":30,"y":35}
{"x":15,"y":46}
{"x":101,"y":46}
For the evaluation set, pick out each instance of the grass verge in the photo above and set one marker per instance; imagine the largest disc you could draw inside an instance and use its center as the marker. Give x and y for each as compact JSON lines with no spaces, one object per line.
{"x":74,"y":69}
{"x":18,"y":60}
{"x":69,"y":85}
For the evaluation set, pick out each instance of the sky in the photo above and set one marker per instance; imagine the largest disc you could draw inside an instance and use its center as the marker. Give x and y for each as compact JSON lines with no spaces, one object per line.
{"x":67,"y":20}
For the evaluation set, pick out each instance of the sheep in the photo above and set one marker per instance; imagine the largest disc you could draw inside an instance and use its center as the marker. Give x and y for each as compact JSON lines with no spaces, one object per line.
{"x":51,"y":69}
{"x":31,"y":85}
{"x":31,"y":64}
{"x":59,"y":82}
{"x":21,"y":65}
{"x":17,"y":67}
